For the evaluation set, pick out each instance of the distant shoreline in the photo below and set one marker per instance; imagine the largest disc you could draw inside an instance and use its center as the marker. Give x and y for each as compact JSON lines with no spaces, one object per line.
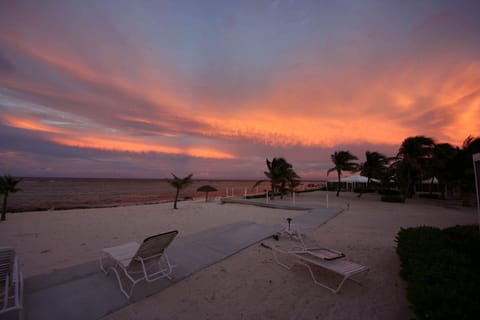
{"x":153,"y":179}
{"x":97,"y":206}
{"x":54,"y":194}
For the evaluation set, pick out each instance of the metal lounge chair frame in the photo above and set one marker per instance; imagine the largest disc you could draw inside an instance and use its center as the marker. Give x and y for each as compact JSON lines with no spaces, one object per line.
{"x":146,"y":262}
{"x":11,"y":283}
{"x":325,"y":258}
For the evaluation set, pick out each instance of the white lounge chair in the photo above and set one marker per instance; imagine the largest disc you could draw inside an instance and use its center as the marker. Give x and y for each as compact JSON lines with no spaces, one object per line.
{"x":147,"y":261}
{"x":328,"y":259}
{"x":11,"y":283}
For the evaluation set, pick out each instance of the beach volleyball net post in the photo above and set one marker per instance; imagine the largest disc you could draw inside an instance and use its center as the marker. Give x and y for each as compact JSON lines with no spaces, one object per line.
{"x":476,"y":170}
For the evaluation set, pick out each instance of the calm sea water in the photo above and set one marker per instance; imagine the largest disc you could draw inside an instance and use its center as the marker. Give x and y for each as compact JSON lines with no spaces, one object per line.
{"x":66,"y":193}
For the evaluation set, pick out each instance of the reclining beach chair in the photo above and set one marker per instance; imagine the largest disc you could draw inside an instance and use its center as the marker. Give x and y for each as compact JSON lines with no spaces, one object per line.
{"x":136,"y":262}
{"x":11,"y":283}
{"x":325,"y":258}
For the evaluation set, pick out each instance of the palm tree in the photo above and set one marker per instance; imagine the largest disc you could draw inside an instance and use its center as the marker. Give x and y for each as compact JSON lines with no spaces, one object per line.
{"x":289,"y":179}
{"x":343,"y":161}
{"x":279,"y":171}
{"x":441,"y":165}
{"x":414,"y":155}
{"x":293,"y":181}
{"x":276,"y":172}
{"x":373,"y":167}
{"x":464,"y":165}
{"x":179,"y":184}
{"x":8,"y":184}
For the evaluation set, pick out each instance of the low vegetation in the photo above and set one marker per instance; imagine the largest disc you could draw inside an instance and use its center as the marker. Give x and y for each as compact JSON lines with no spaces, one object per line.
{"x":441,"y":268}
{"x":429,"y":196}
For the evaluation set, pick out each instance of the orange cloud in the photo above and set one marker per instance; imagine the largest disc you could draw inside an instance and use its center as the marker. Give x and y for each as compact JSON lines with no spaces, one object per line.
{"x":117,"y":142}
{"x":300,"y":106}
{"x":287,"y":131}
{"x":29,"y":124}
{"x":123,"y":145}
{"x":384,"y":108}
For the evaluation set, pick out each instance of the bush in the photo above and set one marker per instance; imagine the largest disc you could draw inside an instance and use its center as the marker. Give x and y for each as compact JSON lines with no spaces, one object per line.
{"x":392,"y":199}
{"x":441,"y":268}
{"x":389,"y":192}
{"x":429,"y":195}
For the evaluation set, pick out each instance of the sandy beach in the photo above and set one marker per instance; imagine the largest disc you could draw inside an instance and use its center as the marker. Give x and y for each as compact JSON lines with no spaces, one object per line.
{"x":248,"y":285}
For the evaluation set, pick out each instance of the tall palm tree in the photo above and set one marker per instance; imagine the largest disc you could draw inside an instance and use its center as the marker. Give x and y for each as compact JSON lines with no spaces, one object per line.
{"x":414,"y":156}
{"x":374,"y":166}
{"x":278,"y":173}
{"x":343,"y":161}
{"x":179,"y":184}
{"x":8,"y":184}
{"x":464,"y":168}
{"x":441,"y":165}
{"x":292,"y":181}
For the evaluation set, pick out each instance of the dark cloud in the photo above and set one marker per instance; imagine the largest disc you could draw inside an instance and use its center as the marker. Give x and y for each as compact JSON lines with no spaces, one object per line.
{"x":6,"y":67}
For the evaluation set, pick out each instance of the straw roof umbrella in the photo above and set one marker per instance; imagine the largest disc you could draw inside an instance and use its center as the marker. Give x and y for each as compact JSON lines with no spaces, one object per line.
{"x":206,"y":189}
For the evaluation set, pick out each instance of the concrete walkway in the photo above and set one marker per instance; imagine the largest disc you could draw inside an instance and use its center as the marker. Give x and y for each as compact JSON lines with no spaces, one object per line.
{"x":83,"y":292}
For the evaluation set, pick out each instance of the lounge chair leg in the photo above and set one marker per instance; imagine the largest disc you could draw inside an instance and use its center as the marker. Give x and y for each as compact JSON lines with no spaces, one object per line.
{"x":119,"y":279}
{"x":275,"y":256}
{"x":102,"y":266}
{"x":340,"y":285}
{"x":362,"y":276}
{"x":318,"y":282}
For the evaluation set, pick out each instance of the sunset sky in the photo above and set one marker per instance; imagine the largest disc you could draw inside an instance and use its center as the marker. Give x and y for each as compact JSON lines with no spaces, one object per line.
{"x":118,"y":88}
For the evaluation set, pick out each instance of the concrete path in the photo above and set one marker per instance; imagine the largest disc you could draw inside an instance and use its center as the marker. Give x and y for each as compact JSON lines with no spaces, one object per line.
{"x":83,"y":292}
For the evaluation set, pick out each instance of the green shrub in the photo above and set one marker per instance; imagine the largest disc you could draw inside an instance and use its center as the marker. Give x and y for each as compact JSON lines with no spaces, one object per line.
{"x":441,"y":268}
{"x":392,"y":198}
{"x":389,"y":192}
{"x":429,"y":195}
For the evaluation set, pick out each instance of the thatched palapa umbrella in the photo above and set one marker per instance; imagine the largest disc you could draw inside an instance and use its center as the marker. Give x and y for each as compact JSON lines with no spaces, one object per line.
{"x":206,"y":189}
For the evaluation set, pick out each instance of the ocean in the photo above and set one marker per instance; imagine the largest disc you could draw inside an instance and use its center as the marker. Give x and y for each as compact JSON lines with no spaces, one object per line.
{"x":72,"y":193}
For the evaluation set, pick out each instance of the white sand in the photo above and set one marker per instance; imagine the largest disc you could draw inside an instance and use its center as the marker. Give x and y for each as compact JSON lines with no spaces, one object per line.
{"x":49,"y":240}
{"x":248,"y":285}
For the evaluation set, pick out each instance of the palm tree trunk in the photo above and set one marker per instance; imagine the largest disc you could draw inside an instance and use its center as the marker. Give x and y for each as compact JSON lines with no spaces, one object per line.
{"x":176,"y":199}
{"x":338,"y":186}
{"x":408,"y":193}
{"x":366,"y":188}
{"x":4,"y":207}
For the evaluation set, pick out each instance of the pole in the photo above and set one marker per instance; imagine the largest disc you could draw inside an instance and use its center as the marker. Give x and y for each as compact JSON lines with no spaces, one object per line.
{"x":476,"y":169}
{"x":293,"y":198}
{"x":326,"y":193}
